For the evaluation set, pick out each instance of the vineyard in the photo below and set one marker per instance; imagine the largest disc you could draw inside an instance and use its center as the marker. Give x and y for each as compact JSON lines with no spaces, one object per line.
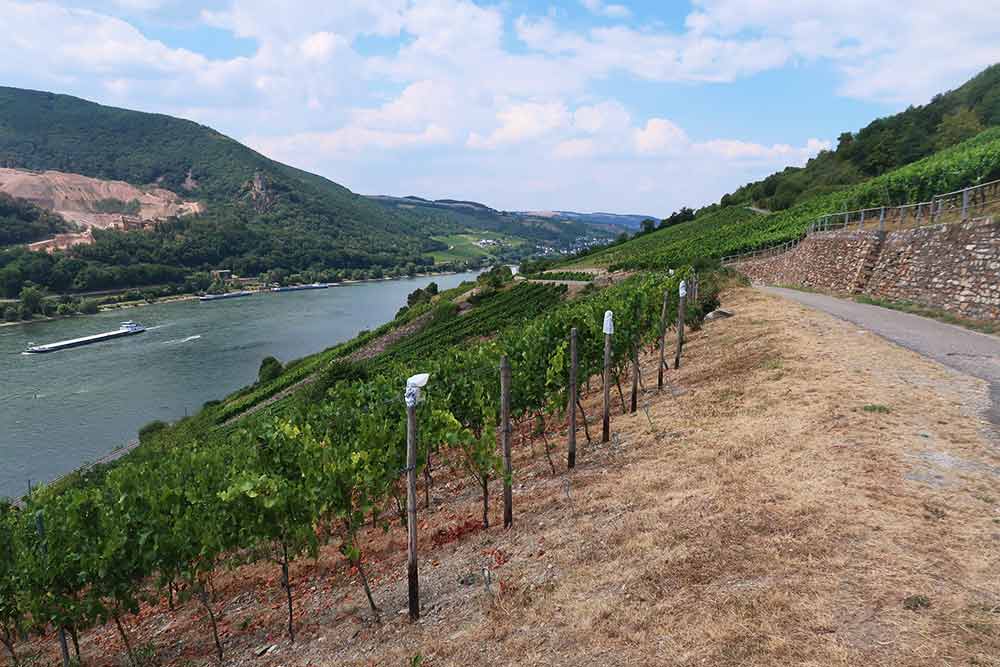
{"x":275,"y":489}
{"x":732,"y":230}
{"x":578,"y":276}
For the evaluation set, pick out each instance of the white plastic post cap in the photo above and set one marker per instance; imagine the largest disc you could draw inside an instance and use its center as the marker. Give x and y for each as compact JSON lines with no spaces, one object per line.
{"x":609,"y":322}
{"x":413,"y":385}
{"x":418,"y":380}
{"x":683,"y":289}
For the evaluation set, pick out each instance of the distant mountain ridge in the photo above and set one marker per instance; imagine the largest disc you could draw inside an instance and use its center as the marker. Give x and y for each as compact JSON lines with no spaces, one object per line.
{"x":628,"y":221}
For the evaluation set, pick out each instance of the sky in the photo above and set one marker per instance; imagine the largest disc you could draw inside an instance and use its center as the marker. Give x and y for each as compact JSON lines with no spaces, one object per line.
{"x":589,"y":105}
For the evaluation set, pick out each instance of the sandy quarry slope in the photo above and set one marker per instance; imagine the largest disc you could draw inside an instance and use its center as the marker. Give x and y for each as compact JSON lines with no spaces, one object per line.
{"x":807,"y":494}
{"x":73,"y":196}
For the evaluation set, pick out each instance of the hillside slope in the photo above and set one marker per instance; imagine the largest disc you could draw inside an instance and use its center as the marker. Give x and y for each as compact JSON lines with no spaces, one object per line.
{"x":551,"y":229}
{"x":719,"y":231}
{"x":883,"y":145}
{"x":723,"y":525}
{"x":45,"y":131}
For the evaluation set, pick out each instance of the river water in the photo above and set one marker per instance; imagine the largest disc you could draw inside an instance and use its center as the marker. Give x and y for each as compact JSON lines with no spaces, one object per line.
{"x":66,"y":408}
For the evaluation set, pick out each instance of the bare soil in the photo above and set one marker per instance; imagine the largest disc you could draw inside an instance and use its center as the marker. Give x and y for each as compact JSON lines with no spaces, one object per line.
{"x":803,"y":494}
{"x":74,"y":197}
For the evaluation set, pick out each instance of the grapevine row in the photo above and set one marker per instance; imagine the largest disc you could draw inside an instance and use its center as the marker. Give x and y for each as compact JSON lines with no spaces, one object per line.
{"x":286,"y":485}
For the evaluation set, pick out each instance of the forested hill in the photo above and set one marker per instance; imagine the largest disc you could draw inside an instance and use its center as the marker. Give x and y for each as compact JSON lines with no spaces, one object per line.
{"x":40,"y":130}
{"x":883,"y":145}
{"x":23,"y":222}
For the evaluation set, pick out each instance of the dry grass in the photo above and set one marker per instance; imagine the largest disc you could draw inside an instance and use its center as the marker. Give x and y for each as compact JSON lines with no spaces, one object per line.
{"x":759,"y":515}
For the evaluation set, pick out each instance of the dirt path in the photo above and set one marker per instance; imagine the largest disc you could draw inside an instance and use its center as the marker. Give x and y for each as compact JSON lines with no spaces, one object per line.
{"x":806,"y":495}
{"x":968,"y":352}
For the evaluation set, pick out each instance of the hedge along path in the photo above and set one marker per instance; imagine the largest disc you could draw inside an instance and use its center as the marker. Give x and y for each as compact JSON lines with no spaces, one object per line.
{"x":288,"y":485}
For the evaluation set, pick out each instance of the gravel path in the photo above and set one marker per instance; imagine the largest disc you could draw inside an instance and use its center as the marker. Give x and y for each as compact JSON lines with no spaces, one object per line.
{"x":966,"y":351}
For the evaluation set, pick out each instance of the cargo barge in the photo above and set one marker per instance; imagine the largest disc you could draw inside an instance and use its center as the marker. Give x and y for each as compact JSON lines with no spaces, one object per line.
{"x":227,"y":295}
{"x":299,"y":288}
{"x":128,"y":328}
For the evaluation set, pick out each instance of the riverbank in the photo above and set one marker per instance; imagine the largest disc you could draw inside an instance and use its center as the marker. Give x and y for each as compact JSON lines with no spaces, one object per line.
{"x":64,"y":409}
{"x":188,"y":297}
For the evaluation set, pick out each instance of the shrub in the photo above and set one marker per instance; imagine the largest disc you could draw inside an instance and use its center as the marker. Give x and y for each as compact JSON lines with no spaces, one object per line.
{"x":337,"y":370}
{"x":88,"y":307}
{"x":150,"y":429}
{"x":482,"y":294}
{"x":270,"y":369}
{"x":11,"y":314}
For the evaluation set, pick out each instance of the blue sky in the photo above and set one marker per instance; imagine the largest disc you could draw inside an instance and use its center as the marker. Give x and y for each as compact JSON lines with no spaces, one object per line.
{"x":523,"y":104}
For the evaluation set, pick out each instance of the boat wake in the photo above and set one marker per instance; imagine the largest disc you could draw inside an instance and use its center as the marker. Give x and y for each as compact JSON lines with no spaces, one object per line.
{"x":178,"y":341}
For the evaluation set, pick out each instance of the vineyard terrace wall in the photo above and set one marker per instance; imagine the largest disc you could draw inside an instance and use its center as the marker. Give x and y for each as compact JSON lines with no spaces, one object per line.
{"x":954,"y":267}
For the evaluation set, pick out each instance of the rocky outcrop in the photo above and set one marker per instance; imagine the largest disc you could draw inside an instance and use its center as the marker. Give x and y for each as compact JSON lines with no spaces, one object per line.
{"x":259,"y":193}
{"x":954,"y":267}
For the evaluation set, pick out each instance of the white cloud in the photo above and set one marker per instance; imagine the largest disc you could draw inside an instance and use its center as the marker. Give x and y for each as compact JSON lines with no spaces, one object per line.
{"x":319,"y":46}
{"x":447,"y":92}
{"x":347,"y":140}
{"x":522,"y":122}
{"x":575,"y":148}
{"x":653,"y":56}
{"x":609,"y":116}
{"x":140,"y":5}
{"x":605,"y":9}
{"x":735,"y":150}
{"x":660,"y":136}
{"x":929,"y":47}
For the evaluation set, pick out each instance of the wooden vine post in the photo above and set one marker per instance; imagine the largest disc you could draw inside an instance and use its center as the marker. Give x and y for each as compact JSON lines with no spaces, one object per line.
{"x":681,"y":307}
{"x":508,"y":500}
{"x":411,"y":397}
{"x":635,"y":363}
{"x":609,"y":329}
{"x":40,"y":530}
{"x":571,"y":407}
{"x":663,"y":341}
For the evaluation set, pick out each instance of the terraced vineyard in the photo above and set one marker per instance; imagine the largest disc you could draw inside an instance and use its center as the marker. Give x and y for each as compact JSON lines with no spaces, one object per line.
{"x":731,"y":230}
{"x":522,"y":302}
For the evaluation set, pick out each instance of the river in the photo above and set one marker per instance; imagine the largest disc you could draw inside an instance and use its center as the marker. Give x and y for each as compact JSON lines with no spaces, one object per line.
{"x":67,"y":408}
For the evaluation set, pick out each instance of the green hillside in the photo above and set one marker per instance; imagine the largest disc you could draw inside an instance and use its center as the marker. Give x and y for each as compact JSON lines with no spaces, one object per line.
{"x":719,"y":231}
{"x":22,"y":222}
{"x":883,"y":145}
{"x":260,"y":214}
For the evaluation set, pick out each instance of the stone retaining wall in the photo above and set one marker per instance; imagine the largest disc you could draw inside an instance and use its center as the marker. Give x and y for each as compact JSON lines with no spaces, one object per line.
{"x":827,"y":260}
{"x":955,"y":267}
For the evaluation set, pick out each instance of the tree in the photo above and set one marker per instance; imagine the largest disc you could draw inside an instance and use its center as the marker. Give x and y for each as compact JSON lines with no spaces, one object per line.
{"x":648,"y":225}
{"x":685,"y":214}
{"x":270,"y":369}
{"x":956,"y":127}
{"x":31,"y":298}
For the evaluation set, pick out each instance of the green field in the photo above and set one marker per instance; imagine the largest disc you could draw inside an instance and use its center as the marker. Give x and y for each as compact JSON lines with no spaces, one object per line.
{"x":463,"y":246}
